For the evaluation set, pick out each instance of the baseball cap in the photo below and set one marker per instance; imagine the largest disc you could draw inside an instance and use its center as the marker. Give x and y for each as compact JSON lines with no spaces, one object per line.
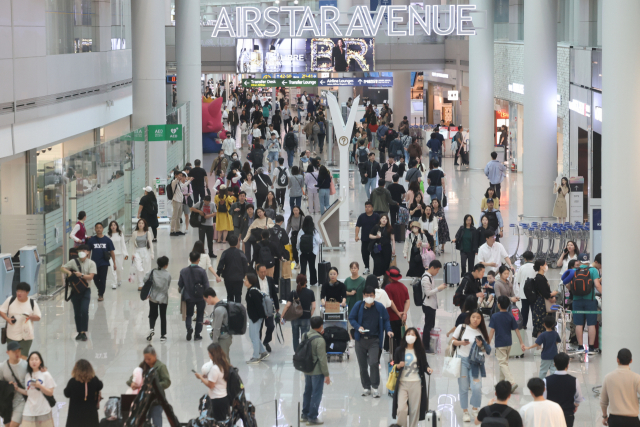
{"x":12,"y":346}
{"x":148,"y":189}
{"x":584,"y":258}
{"x":489,"y":200}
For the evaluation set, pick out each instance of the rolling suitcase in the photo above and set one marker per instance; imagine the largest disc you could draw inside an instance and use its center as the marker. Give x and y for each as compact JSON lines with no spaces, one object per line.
{"x":323,"y":269}
{"x":399,"y":232}
{"x":432,"y":418}
{"x":452,"y":270}
{"x":285,"y":288}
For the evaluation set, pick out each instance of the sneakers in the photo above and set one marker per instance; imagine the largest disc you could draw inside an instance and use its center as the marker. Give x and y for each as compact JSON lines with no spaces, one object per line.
{"x":151,"y":334}
{"x":197,"y":338}
{"x":83,"y":337}
{"x":376,"y":393}
{"x":119,"y":283}
{"x":114,"y":286}
{"x":79,"y":336}
{"x":580,"y":348}
{"x":366,"y":271}
{"x":264,"y":355}
{"x":429,"y":351}
{"x":253,"y":361}
{"x":100,"y":299}
{"x":466,"y":417}
{"x":316,"y":421}
{"x":189,"y":332}
{"x":213,"y":256}
{"x":303,"y":419}
{"x":366,"y":392}
{"x":513,"y":388}
{"x":268,"y":347}
{"x":163,"y":338}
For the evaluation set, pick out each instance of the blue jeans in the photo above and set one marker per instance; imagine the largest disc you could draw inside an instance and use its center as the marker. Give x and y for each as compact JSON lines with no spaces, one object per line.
{"x":81,"y":310}
{"x":313,"y":386}
{"x":295,"y":201}
{"x":324,"y":199}
{"x":290,"y":158}
{"x":298,"y":328}
{"x":437,"y":155}
{"x":370,"y":186}
{"x":155,"y":413}
{"x":254,"y":334}
{"x":437,"y":194}
{"x":463,"y":384}
{"x":406,"y":157}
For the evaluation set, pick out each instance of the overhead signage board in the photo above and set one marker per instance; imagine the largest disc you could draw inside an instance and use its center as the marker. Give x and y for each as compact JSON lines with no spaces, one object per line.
{"x":357,"y":81}
{"x":249,"y":83}
{"x":289,"y":76}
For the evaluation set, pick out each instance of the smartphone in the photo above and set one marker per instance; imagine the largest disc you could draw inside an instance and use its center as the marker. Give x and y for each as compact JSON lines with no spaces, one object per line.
{"x":466,"y":340}
{"x":193,"y":371}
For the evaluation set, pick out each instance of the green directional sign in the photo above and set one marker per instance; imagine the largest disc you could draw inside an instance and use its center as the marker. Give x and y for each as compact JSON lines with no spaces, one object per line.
{"x":249,"y":83}
{"x":165,"y":132}
{"x":136,"y":135}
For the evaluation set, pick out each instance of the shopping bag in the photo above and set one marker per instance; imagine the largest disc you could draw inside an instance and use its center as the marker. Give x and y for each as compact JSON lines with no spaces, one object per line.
{"x":393,"y":262}
{"x":332,"y":306}
{"x":286,"y":270}
{"x":434,"y":340}
{"x":332,"y":188}
{"x":393,"y":379}
{"x":451,"y":367}
{"x":427,"y":256}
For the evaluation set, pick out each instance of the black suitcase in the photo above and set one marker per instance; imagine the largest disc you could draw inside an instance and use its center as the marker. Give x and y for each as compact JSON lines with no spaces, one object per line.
{"x":285,"y":288}
{"x":336,"y":339}
{"x":399,"y":232}
{"x":323,"y":269}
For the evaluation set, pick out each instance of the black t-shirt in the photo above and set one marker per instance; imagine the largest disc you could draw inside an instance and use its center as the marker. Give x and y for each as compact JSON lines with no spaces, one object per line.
{"x":337,"y":292}
{"x":366,"y":223}
{"x":199,"y":176}
{"x":513,"y":417}
{"x":461,"y":318}
{"x":385,"y":238}
{"x":435,"y":177}
{"x":149,"y":205}
{"x":307,"y":297}
{"x":397,"y":192}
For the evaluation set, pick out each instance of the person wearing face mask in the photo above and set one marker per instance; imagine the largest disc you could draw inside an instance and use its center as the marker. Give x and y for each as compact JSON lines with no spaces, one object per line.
{"x":370,"y":320}
{"x":85,"y":269}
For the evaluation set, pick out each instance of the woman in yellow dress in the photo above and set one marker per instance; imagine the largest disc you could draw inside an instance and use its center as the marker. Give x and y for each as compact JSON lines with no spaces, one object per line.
{"x":560,"y":206}
{"x":224,"y":223}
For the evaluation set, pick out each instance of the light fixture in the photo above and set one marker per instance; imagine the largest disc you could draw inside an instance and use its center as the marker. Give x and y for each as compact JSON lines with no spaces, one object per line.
{"x":277,"y":1}
{"x":295,"y":1}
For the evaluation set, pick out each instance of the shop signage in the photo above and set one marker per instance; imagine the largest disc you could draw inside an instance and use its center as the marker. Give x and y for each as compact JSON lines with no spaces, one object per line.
{"x":516,"y":88}
{"x":358,"y":81}
{"x":580,"y":107}
{"x":279,"y":83}
{"x":441,"y":75}
{"x":136,"y":135}
{"x":289,"y":76}
{"x":452,"y":95}
{"x":171,"y":80}
{"x":441,"y":20}
{"x":165,"y":132}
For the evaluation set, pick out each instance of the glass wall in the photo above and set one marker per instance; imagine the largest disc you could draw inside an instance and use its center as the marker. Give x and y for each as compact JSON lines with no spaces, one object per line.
{"x":120,"y":24}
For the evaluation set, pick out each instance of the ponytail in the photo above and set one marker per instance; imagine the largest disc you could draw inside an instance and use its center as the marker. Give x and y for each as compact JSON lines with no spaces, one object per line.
{"x":301,"y":280}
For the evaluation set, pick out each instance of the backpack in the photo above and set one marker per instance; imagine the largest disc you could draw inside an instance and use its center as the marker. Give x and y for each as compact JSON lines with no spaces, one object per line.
{"x":581,"y":285}
{"x":321,"y":125}
{"x":235,"y":385}
{"x":362,"y":155}
{"x":306,"y":243}
{"x":237,"y":315}
{"x":146,"y":288}
{"x":418,"y":297}
{"x":458,"y":297}
{"x":257,"y":157}
{"x":497,"y":419}
{"x":403,"y":215}
{"x":283,"y":178}
{"x":198,"y":288}
{"x":265,"y":257}
{"x":529,"y":291}
{"x":170,"y":191}
{"x":492,"y":217}
{"x":112,"y":409}
{"x":290,"y":141}
{"x":222,"y":205}
{"x":303,"y":356}
{"x":267,"y":304}
{"x":316,"y":128}
{"x":279,"y":238}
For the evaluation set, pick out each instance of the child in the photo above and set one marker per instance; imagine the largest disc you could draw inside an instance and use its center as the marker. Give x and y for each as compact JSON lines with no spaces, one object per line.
{"x":502,"y":324}
{"x":488,"y":291}
{"x":547,"y":340}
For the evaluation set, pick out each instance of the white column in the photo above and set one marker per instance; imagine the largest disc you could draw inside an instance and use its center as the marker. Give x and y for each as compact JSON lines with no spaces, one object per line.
{"x":481,"y":88}
{"x":148,"y":51}
{"x":400,"y":101}
{"x":619,"y":165}
{"x":189,"y":69}
{"x":540,"y":108}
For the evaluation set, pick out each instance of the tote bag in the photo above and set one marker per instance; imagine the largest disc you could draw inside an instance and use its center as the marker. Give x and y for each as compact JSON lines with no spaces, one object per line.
{"x":452,"y":363}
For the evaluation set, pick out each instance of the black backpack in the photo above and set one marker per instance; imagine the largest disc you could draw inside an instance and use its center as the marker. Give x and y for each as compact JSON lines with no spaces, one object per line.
{"x":146,"y":288}
{"x":265,"y":257}
{"x":362,"y":155}
{"x":418,"y":297}
{"x":237,"y":318}
{"x":235,"y":385}
{"x":458,"y":297}
{"x":283,"y":178}
{"x":492,"y":217}
{"x":257,"y":157}
{"x":529,"y":291}
{"x":306,"y":243}
{"x":222,"y":205}
{"x":279,"y":238}
{"x":290,"y":141}
{"x":497,"y":419}
{"x":303,"y":357}
{"x":170,"y":191}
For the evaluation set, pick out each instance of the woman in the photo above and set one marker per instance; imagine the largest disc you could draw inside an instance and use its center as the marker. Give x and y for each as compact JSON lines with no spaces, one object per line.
{"x":270,"y":205}
{"x":159,"y":297}
{"x":246,"y":169}
{"x":79,"y":232}
{"x":142,"y":250}
{"x":224,"y":222}
{"x":414,"y":246}
{"x":310,"y":181}
{"x":560,"y":206}
{"x":354,"y":285}
{"x":294,"y":224}
{"x":121,"y":253}
{"x":296,"y":187}
{"x":417,"y":206}
{"x":569,"y":253}
{"x":263,"y":183}
{"x":150,"y":361}
{"x":307,"y":299}
{"x":371,"y":122}
{"x":324,"y":188}
{"x":297,"y":127}
{"x":148,"y":210}
{"x":543,"y":292}
{"x":482,"y":231}
{"x":410,"y":195}
{"x":410,"y":397}
{"x":276,"y":121}
{"x":83,"y":391}
{"x":249,"y":187}
{"x":382,"y":245}
{"x":429,"y":225}
{"x":469,"y":305}
{"x":489,"y":194}
{"x":334,"y":290}
{"x":338,"y":57}
{"x":216,"y":381}
{"x":466,"y":241}
{"x":503,"y":285}
{"x":310,"y":240}
{"x":286,"y":118}
{"x":472,"y":334}
{"x":255,"y":311}
{"x":443,"y":227}
{"x":187,"y":200}
{"x":435,"y":180}
{"x":234,"y":177}
{"x":260,"y":223}
{"x":39,"y":383}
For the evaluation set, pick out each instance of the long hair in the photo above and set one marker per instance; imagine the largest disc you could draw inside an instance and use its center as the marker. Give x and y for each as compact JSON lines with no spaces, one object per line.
{"x":414,"y":204}
{"x":418,"y":348}
{"x":388,"y":228}
{"x":198,"y":246}
{"x":426,"y":218}
{"x":83,"y":371}
{"x":470,"y":304}
{"x":323,"y":171}
{"x":274,"y":202}
{"x":482,"y":326}
{"x":218,"y":357}
{"x":415,"y":187}
{"x":575,"y":247}
{"x":486,"y":193}
{"x":301,"y":282}
{"x":117,"y":228}
{"x":308,"y":226}
{"x":464,"y":221}
{"x":145,"y":228}
{"x":29,"y":369}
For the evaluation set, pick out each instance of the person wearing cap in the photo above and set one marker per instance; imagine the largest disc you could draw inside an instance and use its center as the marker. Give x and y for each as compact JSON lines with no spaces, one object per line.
{"x":586,"y":302}
{"x":495,"y":219}
{"x":14,"y":371}
{"x":148,"y":210}
{"x":399,"y":295}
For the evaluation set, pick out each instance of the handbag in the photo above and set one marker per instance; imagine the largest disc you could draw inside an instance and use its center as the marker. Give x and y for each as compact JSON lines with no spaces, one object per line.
{"x":332,"y":188}
{"x":431,"y":190}
{"x":77,"y":284}
{"x":444,"y":201}
{"x":451,"y":367}
{"x":295,"y":311}
{"x":50,"y":399}
{"x":393,"y":379}
{"x":547,"y":305}
{"x":451,"y":349}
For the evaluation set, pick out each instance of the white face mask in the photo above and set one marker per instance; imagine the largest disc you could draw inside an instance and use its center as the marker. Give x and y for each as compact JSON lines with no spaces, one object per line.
{"x":368,"y":300}
{"x":82,"y":255}
{"x":410,"y":339}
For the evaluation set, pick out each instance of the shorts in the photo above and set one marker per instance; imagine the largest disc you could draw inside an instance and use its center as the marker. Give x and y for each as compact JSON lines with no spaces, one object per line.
{"x":25,"y":345}
{"x":272,"y":156}
{"x":585,"y":305}
{"x":38,"y":421}
{"x":18,"y":409}
{"x":186,"y":209}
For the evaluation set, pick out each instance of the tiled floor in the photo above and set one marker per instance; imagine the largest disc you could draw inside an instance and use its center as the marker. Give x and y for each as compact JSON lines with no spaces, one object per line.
{"x":118,"y":327}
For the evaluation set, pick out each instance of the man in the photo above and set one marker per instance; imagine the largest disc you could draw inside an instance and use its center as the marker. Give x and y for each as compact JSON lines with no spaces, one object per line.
{"x":233,"y":267}
{"x":290,"y":145}
{"x":207,"y":211}
{"x":177,"y":185}
{"x":273,"y":149}
{"x":280,"y":179}
{"x":199,"y":181}
{"x":371,"y":171}
{"x":268,"y":286}
{"x":389,"y":169}
{"x":219,"y":321}
{"x":435,"y":145}
{"x":541,"y":412}
{"x":619,"y":394}
{"x":14,"y":371}
{"x":495,"y":219}
{"x":406,"y":140}
{"x":525,"y":272}
{"x":20,"y":312}
{"x":404,"y":126}
{"x":396,"y":148}
{"x":586,"y":302}
{"x":413,"y":174}
{"x":564,"y":389}
{"x":233,"y":121}
{"x":380,"y":134}
{"x":101,"y":250}
{"x":397,"y":192}
{"x":381,"y":199}
{"x":279,"y":237}
{"x":458,"y":140}
{"x":220,"y":164}
{"x":398,"y":293}
{"x":492,"y":254}
{"x":370,"y":320}
{"x":495,"y":172}
{"x":314,"y":381}
{"x":365,"y":223}
{"x":471,"y":282}
{"x":238,"y":211}
{"x":500,"y":407}
{"x":85,"y":269}
{"x":192,"y":283}
{"x":501,"y":324}
{"x":430,"y":301}
{"x":228,"y":148}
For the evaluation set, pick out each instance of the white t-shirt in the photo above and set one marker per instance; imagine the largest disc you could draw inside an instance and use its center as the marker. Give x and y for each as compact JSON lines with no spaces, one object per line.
{"x":542,"y":414}
{"x":495,"y":254}
{"x":565,"y":263}
{"x":525,"y":272}
{"x":23,"y":328}
{"x":220,"y":389}
{"x":36,"y":403}
{"x":382,"y":298}
{"x":469,"y":334}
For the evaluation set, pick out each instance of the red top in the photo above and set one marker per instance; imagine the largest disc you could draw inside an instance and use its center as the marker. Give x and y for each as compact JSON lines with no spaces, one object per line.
{"x":82,"y":233}
{"x":399,"y":294}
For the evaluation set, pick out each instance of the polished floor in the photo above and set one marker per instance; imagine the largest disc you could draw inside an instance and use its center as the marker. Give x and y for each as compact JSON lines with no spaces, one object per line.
{"x":119,"y":325}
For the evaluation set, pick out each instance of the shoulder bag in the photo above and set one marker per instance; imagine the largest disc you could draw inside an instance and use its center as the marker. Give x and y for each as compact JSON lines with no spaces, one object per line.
{"x":295,"y":311}
{"x":18,"y":383}
{"x":77,"y":284}
{"x":452,"y":363}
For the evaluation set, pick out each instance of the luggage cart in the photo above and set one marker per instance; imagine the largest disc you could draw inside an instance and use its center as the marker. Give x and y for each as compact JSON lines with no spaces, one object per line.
{"x":340,"y":319}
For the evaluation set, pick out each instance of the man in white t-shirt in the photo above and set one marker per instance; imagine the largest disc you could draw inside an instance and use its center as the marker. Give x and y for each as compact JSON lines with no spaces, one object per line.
{"x":541,"y":412}
{"x":14,"y":370}
{"x":492,"y":255}
{"x":525,"y":272}
{"x":20,"y":312}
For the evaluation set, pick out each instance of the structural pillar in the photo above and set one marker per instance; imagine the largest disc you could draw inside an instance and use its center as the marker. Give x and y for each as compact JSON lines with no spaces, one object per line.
{"x":148,"y":52}
{"x":540,"y":145}
{"x":400,"y":101}
{"x":620,"y":86}
{"x":189,"y":70}
{"x":481,"y":115}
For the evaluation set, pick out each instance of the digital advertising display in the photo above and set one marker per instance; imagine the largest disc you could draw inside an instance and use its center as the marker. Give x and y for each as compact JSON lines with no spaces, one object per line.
{"x":342,"y":54}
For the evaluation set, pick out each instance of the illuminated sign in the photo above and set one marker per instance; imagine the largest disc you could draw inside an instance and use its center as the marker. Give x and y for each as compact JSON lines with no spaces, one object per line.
{"x":452,"y":95}
{"x":502,"y":114}
{"x":441,"y":20}
{"x":597,"y":114}
{"x":171,"y":80}
{"x":441,"y":75}
{"x":516,"y":88}
{"x":580,"y":107}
